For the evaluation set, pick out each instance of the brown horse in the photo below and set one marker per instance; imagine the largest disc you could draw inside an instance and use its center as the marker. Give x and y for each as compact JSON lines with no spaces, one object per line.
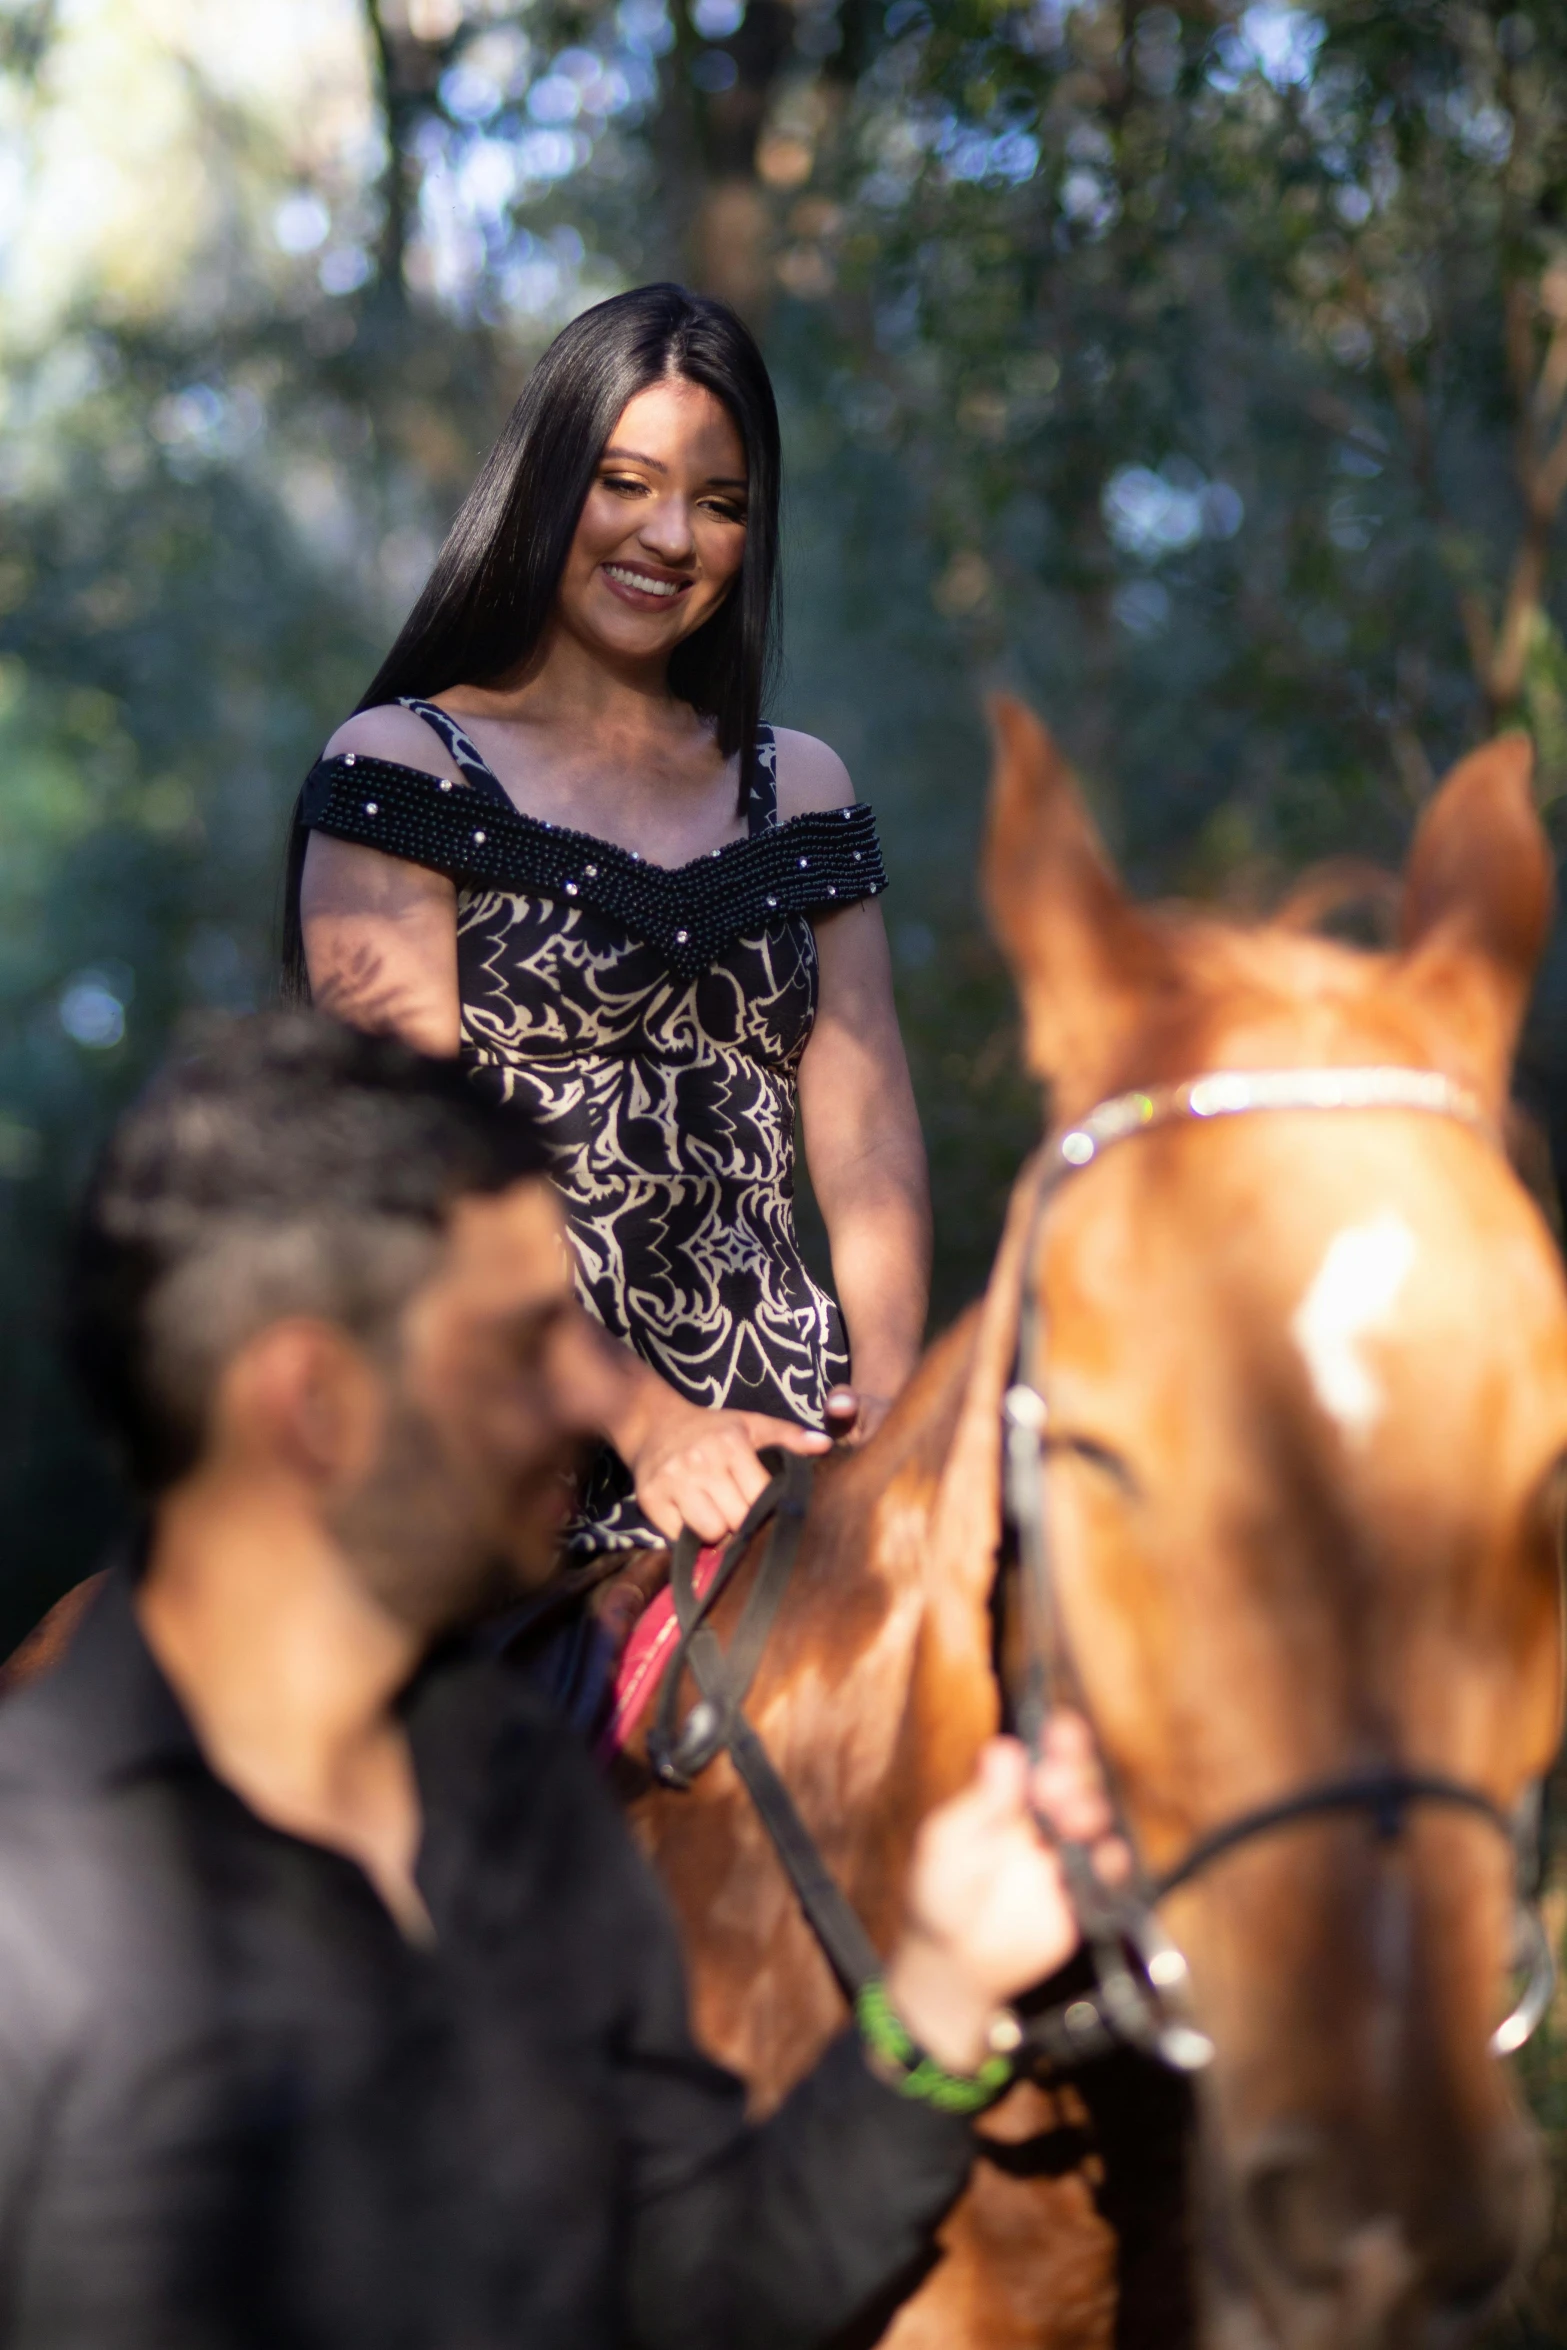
{"x":1307,"y":1386}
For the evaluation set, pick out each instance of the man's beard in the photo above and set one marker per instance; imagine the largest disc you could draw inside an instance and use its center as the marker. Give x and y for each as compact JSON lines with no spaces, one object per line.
{"x":411,"y":1536}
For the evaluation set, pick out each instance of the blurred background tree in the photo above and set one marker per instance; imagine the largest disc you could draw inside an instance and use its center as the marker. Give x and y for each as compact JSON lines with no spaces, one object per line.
{"x":1200,"y":370}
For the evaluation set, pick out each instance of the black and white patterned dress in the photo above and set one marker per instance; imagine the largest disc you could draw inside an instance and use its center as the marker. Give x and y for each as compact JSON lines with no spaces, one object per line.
{"x":652,"y":1020}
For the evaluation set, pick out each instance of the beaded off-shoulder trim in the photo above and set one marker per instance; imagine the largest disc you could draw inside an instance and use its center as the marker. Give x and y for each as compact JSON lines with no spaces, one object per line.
{"x":689,"y":912}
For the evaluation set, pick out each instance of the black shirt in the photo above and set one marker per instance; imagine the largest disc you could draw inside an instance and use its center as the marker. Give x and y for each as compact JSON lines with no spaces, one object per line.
{"x":236,"y":2106}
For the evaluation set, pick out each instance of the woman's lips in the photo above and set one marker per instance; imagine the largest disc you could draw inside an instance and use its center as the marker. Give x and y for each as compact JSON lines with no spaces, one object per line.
{"x":644,"y":589}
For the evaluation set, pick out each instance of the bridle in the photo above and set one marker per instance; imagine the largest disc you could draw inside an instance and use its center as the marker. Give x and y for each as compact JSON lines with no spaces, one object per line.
{"x":1140,"y":1977}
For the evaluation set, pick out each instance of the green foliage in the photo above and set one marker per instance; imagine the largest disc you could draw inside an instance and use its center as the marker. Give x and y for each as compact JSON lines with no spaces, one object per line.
{"x":172,"y":652}
{"x":1195,"y":371}
{"x":1209,"y":338}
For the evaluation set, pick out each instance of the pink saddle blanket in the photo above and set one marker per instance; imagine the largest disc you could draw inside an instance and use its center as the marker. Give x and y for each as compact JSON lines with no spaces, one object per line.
{"x":647,"y":1652}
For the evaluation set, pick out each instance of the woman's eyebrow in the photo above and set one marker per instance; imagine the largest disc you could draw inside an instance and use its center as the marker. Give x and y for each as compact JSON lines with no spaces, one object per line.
{"x":715,"y":481}
{"x":636,"y":457}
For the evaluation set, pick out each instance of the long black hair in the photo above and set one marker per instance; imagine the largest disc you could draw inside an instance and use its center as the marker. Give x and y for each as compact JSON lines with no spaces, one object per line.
{"x":486,"y":603}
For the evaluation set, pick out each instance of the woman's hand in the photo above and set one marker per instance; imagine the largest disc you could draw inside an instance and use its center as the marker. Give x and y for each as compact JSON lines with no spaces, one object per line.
{"x":988,"y":1912}
{"x":695,"y":1467}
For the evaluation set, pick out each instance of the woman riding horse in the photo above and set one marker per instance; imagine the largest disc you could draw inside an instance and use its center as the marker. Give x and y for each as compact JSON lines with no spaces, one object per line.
{"x":558,"y":839}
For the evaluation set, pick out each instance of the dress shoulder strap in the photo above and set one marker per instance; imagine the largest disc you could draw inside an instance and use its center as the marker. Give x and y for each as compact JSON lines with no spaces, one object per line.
{"x":762,"y":797}
{"x":470,"y":760}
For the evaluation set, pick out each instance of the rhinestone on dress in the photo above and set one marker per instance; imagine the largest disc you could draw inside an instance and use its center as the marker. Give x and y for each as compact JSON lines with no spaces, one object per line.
{"x":714,"y":908}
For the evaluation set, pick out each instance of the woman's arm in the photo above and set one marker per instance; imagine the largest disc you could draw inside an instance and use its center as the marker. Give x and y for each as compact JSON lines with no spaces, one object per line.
{"x":381,"y":934}
{"x":866,"y":1157}
{"x":863,"y":1144}
{"x":381,"y":943}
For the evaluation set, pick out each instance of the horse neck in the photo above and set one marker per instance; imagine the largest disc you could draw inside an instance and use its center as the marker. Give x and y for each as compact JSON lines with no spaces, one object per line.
{"x":931,"y":1488}
{"x":963,"y":1537}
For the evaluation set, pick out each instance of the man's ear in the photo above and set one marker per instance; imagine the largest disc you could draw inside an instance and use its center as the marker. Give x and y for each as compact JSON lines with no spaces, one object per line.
{"x":303,"y":1398}
{"x":1083,"y":958}
{"x":1478,"y":889}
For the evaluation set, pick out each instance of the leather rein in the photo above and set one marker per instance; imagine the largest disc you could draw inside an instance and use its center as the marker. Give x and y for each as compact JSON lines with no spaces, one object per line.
{"x":717,"y":1724}
{"x":1140,"y":1977}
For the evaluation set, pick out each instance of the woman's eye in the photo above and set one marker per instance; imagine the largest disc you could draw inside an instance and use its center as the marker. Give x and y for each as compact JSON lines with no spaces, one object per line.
{"x":623,"y":484}
{"x":725,"y":510}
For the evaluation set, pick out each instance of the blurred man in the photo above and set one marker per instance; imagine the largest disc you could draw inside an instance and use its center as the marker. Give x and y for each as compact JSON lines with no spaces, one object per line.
{"x":335,"y":2006}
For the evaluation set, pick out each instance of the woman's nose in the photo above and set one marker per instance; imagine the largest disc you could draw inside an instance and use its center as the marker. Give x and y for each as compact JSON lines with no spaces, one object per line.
{"x":666,"y":530}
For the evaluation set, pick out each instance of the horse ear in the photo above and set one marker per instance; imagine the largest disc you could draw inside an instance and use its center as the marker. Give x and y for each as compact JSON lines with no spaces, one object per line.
{"x":1478,"y":893}
{"x":1081,"y":954}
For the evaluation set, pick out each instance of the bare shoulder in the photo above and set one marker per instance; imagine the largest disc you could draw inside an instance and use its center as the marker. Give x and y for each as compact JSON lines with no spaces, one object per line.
{"x":391,"y":732}
{"x":810,"y":775}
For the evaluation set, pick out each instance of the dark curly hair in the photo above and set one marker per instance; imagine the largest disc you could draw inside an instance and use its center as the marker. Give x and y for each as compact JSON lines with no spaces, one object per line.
{"x":281,"y":1164}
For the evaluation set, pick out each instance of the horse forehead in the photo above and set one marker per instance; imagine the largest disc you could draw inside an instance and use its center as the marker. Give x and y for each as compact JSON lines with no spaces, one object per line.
{"x":1355,"y":1291}
{"x":1416,"y":1325}
{"x":1340,"y":1247}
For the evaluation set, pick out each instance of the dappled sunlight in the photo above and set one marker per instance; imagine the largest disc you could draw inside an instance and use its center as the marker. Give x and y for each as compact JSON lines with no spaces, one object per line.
{"x":155,"y":142}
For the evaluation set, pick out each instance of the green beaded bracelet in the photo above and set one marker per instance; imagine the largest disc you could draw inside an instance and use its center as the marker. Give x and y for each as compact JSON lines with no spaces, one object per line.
{"x":917,"y":2075}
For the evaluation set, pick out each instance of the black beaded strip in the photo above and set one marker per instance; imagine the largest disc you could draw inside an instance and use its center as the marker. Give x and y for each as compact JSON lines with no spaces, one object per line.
{"x":690,"y":913}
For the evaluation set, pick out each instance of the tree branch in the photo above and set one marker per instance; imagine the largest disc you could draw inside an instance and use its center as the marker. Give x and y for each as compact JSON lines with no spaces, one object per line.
{"x":394,"y":109}
{"x":1414,"y":415}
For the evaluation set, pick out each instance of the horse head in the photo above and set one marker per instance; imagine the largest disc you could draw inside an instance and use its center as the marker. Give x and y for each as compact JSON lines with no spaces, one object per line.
{"x":1306,"y":1381}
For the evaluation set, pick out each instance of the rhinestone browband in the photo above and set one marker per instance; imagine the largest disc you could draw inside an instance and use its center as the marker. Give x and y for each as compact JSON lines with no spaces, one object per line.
{"x":1226,"y":1093}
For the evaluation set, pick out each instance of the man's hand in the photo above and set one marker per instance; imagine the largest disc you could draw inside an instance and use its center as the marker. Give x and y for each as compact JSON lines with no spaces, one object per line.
{"x":988,"y":1912}
{"x":699,"y":1468}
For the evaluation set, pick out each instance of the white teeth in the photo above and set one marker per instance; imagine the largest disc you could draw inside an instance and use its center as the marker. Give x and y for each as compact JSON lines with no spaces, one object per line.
{"x":640,"y":580}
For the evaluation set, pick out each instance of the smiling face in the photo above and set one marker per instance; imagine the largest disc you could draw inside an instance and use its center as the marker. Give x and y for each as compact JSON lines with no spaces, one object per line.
{"x":661,"y":537}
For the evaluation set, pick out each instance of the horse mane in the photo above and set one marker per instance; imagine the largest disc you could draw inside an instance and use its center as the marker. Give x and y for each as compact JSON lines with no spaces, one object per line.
{"x":1334,"y":890}
{"x":1331,"y":931}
